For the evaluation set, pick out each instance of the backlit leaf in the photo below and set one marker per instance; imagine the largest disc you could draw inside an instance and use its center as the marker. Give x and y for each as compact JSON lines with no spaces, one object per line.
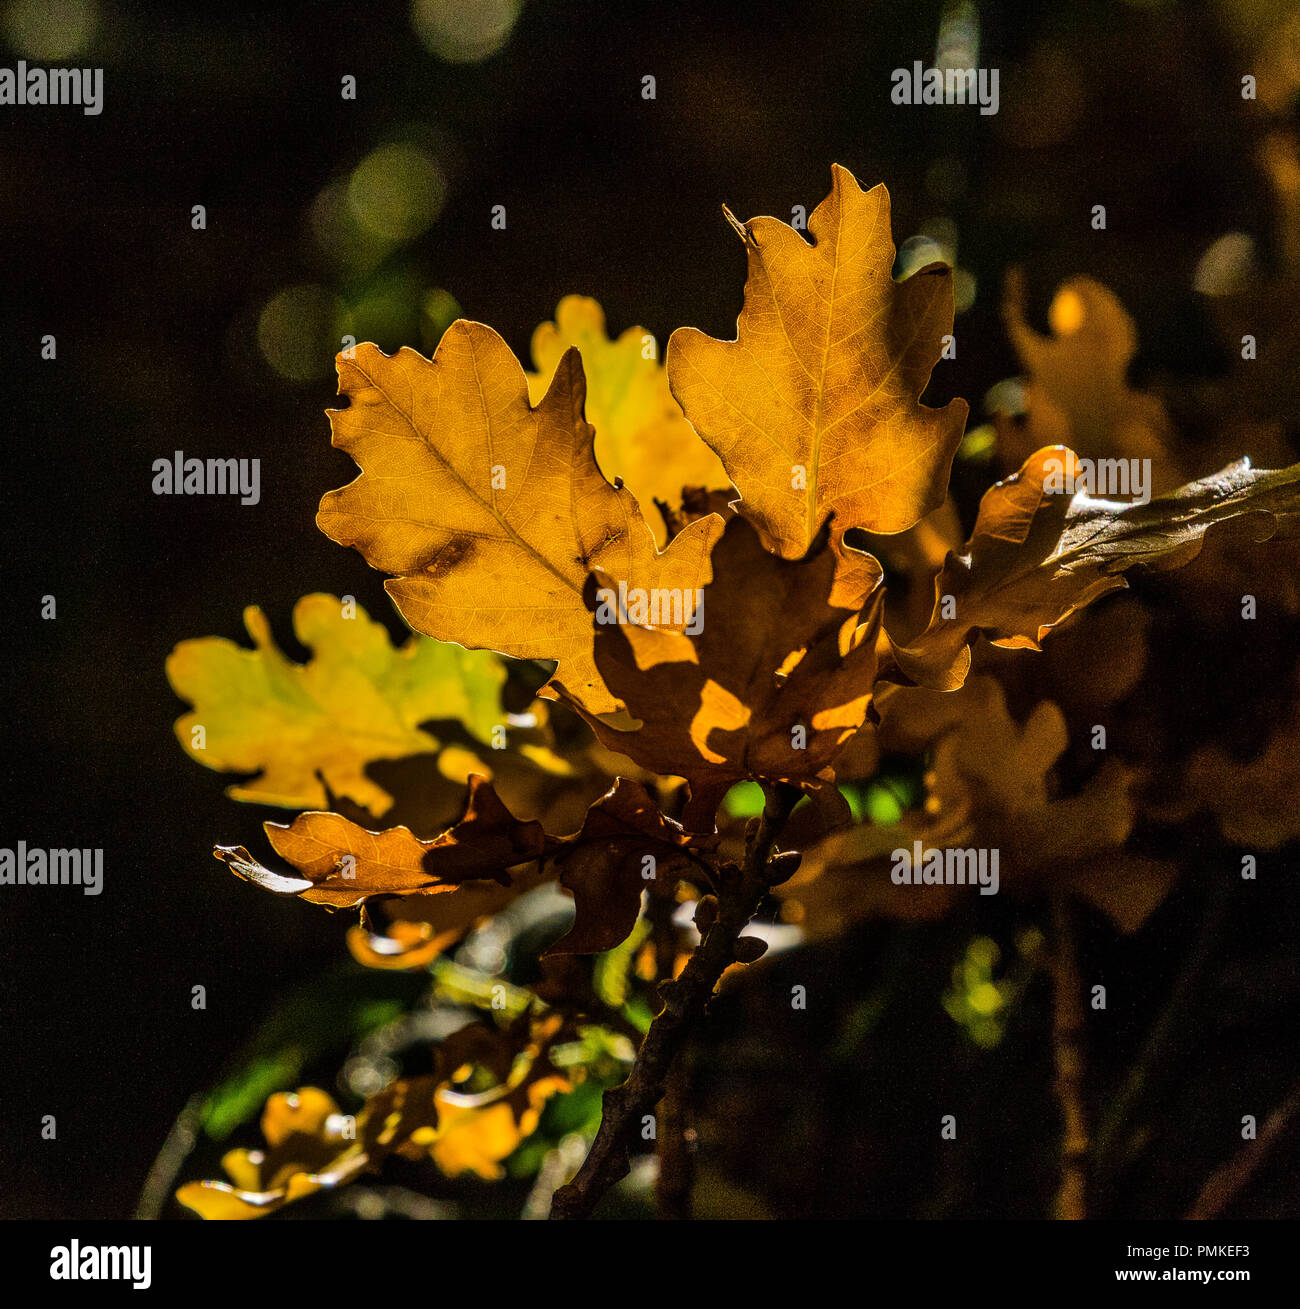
{"x":641,"y":433}
{"x":356,"y":700}
{"x":490,"y":513}
{"x":774,"y":683}
{"x":813,"y":407}
{"x":342,"y":864}
{"x":1038,"y":554}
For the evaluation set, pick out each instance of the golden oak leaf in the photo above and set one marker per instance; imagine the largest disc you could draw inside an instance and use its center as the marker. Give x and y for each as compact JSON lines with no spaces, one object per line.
{"x":308,"y":1151}
{"x":311,"y":1146}
{"x":357,"y":700}
{"x":774,"y":681}
{"x":813,"y":407}
{"x":488,"y":512}
{"x":342,"y":865}
{"x":642,"y":435}
{"x":1038,"y":553}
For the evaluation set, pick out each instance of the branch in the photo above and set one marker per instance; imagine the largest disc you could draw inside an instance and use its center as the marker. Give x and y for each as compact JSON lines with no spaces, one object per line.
{"x":1067,"y":1044}
{"x":1227,"y":1181}
{"x":675,"y":1177}
{"x":624,"y":1107}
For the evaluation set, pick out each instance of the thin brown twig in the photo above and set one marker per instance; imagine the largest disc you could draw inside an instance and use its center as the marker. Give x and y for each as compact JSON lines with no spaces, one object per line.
{"x":675,"y":1177}
{"x":1229,"y":1180}
{"x":626,"y":1107}
{"x":1067,"y":1046}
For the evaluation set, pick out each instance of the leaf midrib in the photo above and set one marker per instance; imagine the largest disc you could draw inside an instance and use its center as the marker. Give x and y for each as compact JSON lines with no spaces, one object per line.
{"x":490,"y":508}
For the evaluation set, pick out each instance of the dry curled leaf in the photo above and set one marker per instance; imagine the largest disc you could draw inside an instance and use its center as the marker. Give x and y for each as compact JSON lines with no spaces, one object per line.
{"x":488,"y":512}
{"x":604,"y":866}
{"x":814,"y":408}
{"x":342,"y":864}
{"x":305,"y":727}
{"x":1038,"y":554}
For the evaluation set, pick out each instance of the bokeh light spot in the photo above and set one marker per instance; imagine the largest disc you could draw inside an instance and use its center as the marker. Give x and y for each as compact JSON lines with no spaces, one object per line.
{"x":464,"y":31}
{"x":50,"y":30}
{"x":1066,"y":314}
{"x":298,"y":332}
{"x":397,"y":191}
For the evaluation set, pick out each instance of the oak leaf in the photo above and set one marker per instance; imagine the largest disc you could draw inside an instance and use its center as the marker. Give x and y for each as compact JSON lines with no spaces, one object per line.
{"x":813,"y":408}
{"x":1077,"y":391}
{"x":342,"y":864}
{"x":603,"y":866}
{"x":312,"y":1146}
{"x":992,"y":786}
{"x":775,"y":681}
{"x":1038,"y":554}
{"x":307,"y":727}
{"x":642,"y":435}
{"x":488,"y":512}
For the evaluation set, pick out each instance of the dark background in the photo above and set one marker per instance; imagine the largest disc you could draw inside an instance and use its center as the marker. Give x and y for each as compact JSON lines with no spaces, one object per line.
{"x":239,"y":109}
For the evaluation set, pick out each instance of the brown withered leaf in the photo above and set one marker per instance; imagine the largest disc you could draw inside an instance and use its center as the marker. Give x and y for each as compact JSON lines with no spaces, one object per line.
{"x":992,"y":786}
{"x":1077,"y":391}
{"x":490,"y":513}
{"x":813,"y":407}
{"x":343,"y":865}
{"x":775,"y":681}
{"x":1255,"y":801}
{"x":603,"y":866}
{"x":1036,"y":554}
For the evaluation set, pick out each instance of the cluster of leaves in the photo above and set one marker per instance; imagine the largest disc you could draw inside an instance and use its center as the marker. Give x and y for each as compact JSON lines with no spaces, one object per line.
{"x":505,"y":509}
